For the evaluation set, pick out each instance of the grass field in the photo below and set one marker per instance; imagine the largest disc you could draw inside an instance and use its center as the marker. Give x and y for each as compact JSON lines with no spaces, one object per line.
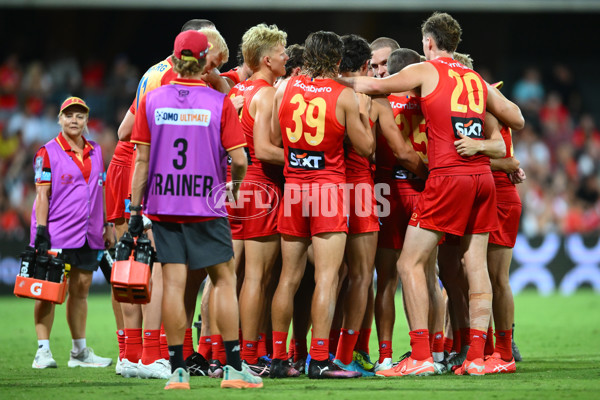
{"x":558,"y":338}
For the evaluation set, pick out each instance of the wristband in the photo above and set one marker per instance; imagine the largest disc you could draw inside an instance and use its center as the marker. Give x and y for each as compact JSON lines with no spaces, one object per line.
{"x":135,"y":208}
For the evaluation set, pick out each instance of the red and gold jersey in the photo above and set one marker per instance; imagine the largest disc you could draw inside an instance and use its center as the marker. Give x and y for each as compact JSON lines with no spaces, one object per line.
{"x":411,"y":122}
{"x":358,"y":168}
{"x":456,"y":105}
{"x":123,"y":154}
{"x":312,"y":135}
{"x":505,"y":189}
{"x":257,"y":170}
{"x":237,"y":90}
{"x":158,"y":75}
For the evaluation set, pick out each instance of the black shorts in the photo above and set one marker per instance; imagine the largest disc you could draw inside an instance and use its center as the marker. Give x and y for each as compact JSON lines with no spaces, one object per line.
{"x":198,"y":244}
{"x":83,"y":257}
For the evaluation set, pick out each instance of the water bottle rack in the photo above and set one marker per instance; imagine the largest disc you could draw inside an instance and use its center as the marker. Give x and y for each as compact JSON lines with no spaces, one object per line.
{"x":41,"y":289}
{"x":130,"y":281}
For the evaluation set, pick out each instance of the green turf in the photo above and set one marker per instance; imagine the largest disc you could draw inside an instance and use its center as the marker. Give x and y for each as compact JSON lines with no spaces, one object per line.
{"x":557,"y":336}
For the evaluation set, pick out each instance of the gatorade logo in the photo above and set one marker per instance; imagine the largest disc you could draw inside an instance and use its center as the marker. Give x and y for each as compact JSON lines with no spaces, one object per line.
{"x":36,"y":289}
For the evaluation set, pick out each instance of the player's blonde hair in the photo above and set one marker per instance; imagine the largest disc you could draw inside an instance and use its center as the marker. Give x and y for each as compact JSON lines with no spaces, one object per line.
{"x":259,"y":40}
{"x":215,"y":38}
{"x":464,"y":59}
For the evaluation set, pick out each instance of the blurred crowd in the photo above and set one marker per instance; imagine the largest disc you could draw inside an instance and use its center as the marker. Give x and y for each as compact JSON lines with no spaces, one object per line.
{"x":559,"y":148}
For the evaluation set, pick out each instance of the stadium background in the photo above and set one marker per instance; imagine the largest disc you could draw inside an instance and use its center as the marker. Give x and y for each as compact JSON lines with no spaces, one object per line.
{"x":99,"y":49}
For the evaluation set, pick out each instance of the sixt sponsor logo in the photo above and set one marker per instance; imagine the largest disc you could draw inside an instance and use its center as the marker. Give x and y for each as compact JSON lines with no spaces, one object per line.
{"x":469,"y":127}
{"x":305,"y":159}
{"x":185,"y":117}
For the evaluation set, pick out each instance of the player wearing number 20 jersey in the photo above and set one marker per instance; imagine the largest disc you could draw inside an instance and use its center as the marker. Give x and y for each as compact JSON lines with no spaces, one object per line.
{"x":446,"y":120}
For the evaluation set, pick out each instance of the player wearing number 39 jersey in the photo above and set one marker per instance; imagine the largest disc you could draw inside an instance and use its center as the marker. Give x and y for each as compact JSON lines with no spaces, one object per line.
{"x":314,"y":113}
{"x":459,"y":194}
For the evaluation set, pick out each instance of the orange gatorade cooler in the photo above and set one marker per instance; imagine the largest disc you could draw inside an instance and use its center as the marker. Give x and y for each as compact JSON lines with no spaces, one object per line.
{"x":46,"y":282}
{"x":130,"y":277}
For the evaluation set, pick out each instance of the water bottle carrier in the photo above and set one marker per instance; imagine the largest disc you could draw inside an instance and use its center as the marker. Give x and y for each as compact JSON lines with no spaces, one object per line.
{"x":130,"y":281}
{"x":41,"y":289}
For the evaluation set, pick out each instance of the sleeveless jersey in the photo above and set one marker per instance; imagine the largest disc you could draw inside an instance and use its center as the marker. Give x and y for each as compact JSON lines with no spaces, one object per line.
{"x":410,"y":121}
{"x":123,"y":154}
{"x":456,"y":105}
{"x":506,"y":191}
{"x":257,"y":170}
{"x":187,"y":158}
{"x":312,"y":135}
{"x":158,"y":75}
{"x":237,"y":90}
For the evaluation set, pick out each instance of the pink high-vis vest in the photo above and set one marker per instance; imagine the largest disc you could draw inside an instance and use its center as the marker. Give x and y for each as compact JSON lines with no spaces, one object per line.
{"x":75,"y":209}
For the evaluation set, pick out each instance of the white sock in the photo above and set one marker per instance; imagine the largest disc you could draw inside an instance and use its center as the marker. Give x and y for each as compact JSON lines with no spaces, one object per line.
{"x":78,"y":346}
{"x":44,"y":344}
{"x":438,"y":357}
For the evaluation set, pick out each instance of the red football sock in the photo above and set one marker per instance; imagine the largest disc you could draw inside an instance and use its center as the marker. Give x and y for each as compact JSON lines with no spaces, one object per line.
{"x":319,"y":349}
{"x":419,"y":343}
{"x":151,"y":346}
{"x":488,"y":350}
{"x":121,"y":341}
{"x":262,"y":345}
{"x":205,"y":347}
{"x":292,"y":350}
{"x":438,"y":342}
{"x":133,"y":345}
{"x":188,"y":344}
{"x":477,"y":344}
{"x":218,"y":349}
{"x":249,"y":348}
{"x":448,"y":344}
{"x":348,"y":339}
{"x":279,"y":345}
{"x":363,"y":340}
{"x":334,"y":338}
{"x":385,"y":350}
{"x":300,"y":349}
{"x":465,"y":337}
{"x":504,"y":344}
{"x":457,"y":343}
{"x":164,"y":347}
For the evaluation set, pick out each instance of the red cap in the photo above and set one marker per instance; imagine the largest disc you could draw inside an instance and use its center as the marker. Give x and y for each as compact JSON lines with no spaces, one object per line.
{"x":72,"y":101}
{"x":194,"y":41}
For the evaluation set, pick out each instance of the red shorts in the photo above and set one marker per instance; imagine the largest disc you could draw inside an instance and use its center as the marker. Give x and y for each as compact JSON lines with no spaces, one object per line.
{"x":393,"y":226}
{"x":117,"y":191}
{"x":362,"y":214}
{"x":509,"y":215}
{"x":458,"y":204}
{"x":256,"y":210}
{"x":309,"y":210}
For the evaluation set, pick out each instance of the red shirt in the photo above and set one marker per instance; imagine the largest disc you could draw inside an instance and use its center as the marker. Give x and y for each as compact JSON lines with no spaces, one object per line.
{"x":410,"y":121}
{"x":43,"y":173}
{"x":257,"y":170}
{"x":456,"y":105}
{"x":312,"y":135}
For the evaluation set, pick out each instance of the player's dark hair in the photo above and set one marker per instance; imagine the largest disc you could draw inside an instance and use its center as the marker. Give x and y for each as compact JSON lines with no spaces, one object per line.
{"x":197,"y":24}
{"x":444,"y":29}
{"x":295,"y":53}
{"x":322,"y":53}
{"x":239,"y":57}
{"x":384,"y":42}
{"x":400,"y":58}
{"x":356,"y":53}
